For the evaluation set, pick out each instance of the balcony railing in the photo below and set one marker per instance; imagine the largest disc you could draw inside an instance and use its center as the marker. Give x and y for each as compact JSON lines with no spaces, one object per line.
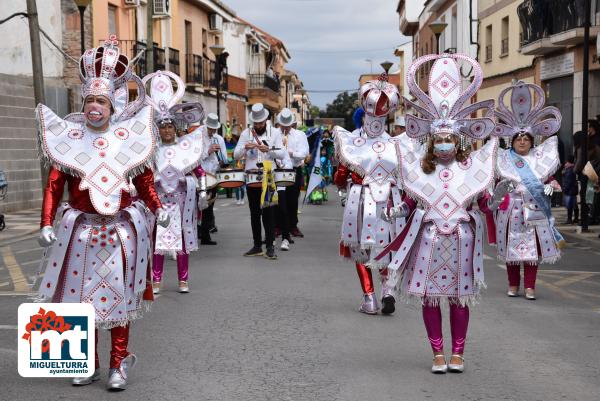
{"x":504,"y":47}
{"x":542,"y":18}
{"x":488,"y":53}
{"x":193,"y":69}
{"x":174,"y":60}
{"x":260,"y":81}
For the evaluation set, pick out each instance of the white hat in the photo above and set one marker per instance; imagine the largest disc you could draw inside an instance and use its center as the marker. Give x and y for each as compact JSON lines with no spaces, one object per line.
{"x":400,"y":121}
{"x":286,"y":118}
{"x":212,"y":121}
{"x":258,"y":113}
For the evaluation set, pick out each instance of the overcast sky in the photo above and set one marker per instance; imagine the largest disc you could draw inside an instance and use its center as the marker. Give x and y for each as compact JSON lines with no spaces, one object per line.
{"x":328,"y":40}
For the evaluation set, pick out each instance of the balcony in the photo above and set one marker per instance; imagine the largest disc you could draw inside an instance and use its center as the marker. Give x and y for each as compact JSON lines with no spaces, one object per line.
{"x":408,"y":27}
{"x":201,"y":72}
{"x":504,"y":47}
{"x":264,"y":89}
{"x":549,"y":25}
{"x":173,"y":60}
{"x":131,"y":48}
{"x":193,"y":69}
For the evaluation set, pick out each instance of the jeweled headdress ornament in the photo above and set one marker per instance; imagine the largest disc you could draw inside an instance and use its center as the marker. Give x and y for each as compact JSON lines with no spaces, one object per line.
{"x":525,"y":117}
{"x":443,"y":110}
{"x":166,"y":101}
{"x":378,"y":98}
{"x":104,"y":70}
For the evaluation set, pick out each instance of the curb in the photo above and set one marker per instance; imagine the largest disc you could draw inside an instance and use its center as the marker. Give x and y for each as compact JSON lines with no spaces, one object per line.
{"x":573,"y":238}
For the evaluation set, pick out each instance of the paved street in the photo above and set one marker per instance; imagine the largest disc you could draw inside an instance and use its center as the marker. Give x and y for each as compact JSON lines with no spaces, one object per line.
{"x":253,"y":329}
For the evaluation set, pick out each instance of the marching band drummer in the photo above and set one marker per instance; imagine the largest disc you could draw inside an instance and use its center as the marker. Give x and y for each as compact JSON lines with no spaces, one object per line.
{"x":296,"y":146}
{"x":257,"y":144}
{"x":215,"y":158}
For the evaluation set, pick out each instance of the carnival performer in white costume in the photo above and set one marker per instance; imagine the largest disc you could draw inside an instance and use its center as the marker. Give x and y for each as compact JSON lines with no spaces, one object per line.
{"x":367,"y":165}
{"x":177,"y":160}
{"x":440,"y":252}
{"x":524,"y":224}
{"x":101,"y":243}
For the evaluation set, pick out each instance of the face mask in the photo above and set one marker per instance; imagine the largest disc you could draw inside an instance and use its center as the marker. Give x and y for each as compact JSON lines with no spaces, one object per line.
{"x":96,"y":115}
{"x":445,"y":147}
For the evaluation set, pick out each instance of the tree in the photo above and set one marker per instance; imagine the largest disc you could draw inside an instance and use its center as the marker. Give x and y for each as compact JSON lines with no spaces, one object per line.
{"x":343,"y":106}
{"x":314,"y":111}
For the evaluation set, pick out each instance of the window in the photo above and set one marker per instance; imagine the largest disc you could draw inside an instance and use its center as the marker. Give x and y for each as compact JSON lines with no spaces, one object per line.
{"x":188,"y":38}
{"x":112,"y":20}
{"x":504,"y":42}
{"x":204,"y":42}
{"x":488,"y":43}
{"x":454,"y":28}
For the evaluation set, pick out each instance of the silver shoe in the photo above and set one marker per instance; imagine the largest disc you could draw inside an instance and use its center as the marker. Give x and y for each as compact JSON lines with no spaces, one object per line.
{"x":84,"y":381}
{"x":530,"y":294}
{"x":369,"y":305}
{"x":512,"y":293}
{"x":117,"y":377}
{"x":439,"y":369}
{"x":457,"y":368}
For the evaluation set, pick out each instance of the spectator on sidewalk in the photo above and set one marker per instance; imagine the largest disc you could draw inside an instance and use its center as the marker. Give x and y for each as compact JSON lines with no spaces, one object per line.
{"x":570,"y":190}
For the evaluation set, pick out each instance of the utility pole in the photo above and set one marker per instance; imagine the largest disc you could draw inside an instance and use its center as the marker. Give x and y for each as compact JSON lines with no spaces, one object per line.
{"x":584,"y":109}
{"x":149,"y":36}
{"x":36,"y":52}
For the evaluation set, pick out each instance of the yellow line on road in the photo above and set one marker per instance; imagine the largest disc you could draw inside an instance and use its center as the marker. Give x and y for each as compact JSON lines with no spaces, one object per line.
{"x":14,"y":270}
{"x":558,"y":290}
{"x":570,"y":280}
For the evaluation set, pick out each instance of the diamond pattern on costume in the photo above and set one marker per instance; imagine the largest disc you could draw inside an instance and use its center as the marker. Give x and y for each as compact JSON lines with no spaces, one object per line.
{"x":103,"y":271}
{"x":522,"y":249}
{"x":137,"y":147}
{"x":444,"y":277}
{"x":82,"y":158}
{"x":104,"y":298}
{"x":57,"y":128}
{"x":482,"y":156}
{"x":464,"y":189}
{"x":446,"y":205}
{"x":104,"y":179}
{"x":103,"y":255}
{"x":428,"y":189}
{"x":62,"y":148}
{"x":444,"y":84}
{"x":378,"y":174}
{"x":412,"y":176}
{"x":410,"y":158}
{"x":481,"y":176}
{"x":138,"y":127}
{"x":122,"y":158}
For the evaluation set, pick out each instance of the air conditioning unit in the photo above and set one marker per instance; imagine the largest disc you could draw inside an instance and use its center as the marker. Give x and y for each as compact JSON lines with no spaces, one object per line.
{"x":215,"y":22}
{"x":255,"y":48}
{"x":133,"y":3}
{"x":162,"y":8}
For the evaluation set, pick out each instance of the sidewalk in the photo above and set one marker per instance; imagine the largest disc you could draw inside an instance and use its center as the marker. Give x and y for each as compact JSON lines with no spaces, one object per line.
{"x":571,"y":231}
{"x":20,"y":225}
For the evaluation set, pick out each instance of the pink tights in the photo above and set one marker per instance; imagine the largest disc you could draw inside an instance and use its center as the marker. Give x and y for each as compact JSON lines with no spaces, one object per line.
{"x":459,"y":322}
{"x":182,"y":266}
{"x":514,"y":274}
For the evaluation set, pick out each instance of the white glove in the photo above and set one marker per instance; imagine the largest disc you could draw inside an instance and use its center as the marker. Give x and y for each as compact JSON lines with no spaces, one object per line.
{"x":503,"y":187}
{"x":162,"y":217}
{"x":202,"y":200}
{"x":548,"y":190}
{"x":394,"y":213}
{"x":47,"y":236}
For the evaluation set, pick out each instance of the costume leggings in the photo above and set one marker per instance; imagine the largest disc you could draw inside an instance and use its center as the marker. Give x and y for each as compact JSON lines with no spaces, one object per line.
{"x":459,"y":322}
{"x":514,"y":274}
{"x":182,"y":266}
{"x":366,"y":278}
{"x":119,"y":339}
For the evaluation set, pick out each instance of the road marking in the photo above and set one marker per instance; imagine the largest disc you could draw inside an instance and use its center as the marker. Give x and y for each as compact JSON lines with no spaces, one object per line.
{"x":558,"y":290}
{"x":486,"y":257}
{"x":570,"y":280}
{"x":14,"y":293}
{"x":7,"y":327}
{"x":568,"y":271}
{"x":14,"y":270}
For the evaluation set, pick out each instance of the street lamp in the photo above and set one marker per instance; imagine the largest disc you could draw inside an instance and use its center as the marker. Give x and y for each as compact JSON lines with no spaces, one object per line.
{"x":386,"y":65}
{"x":437,"y":27}
{"x":220,"y":54}
{"x":302,"y":93}
{"x":82,"y":5}
{"x":368,"y":60}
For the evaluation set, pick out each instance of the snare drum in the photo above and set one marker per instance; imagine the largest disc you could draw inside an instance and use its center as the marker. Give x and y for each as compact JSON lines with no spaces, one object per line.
{"x":231,"y":178}
{"x":285,"y":177}
{"x":254,"y":178}
{"x":211,"y":181}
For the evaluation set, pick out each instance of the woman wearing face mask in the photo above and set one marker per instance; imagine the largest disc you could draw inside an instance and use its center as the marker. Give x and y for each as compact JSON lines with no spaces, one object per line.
{"x":440,"y":252}
{"x":177,"y":160}
{"x":524,"y":223}
{"x":99,"y":251}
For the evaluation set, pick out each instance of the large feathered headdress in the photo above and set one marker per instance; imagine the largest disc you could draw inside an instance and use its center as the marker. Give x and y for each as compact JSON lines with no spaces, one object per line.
{"x":525,"y":117}
{"x":443,"y":110}
{"x":166,"y":101}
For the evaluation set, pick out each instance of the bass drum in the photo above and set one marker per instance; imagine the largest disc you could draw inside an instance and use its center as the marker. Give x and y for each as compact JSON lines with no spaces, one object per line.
{"x":284,"y":177}
{"x":254,"y":178}
{"x":231,"y":178}
{"x":211,"y":181}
